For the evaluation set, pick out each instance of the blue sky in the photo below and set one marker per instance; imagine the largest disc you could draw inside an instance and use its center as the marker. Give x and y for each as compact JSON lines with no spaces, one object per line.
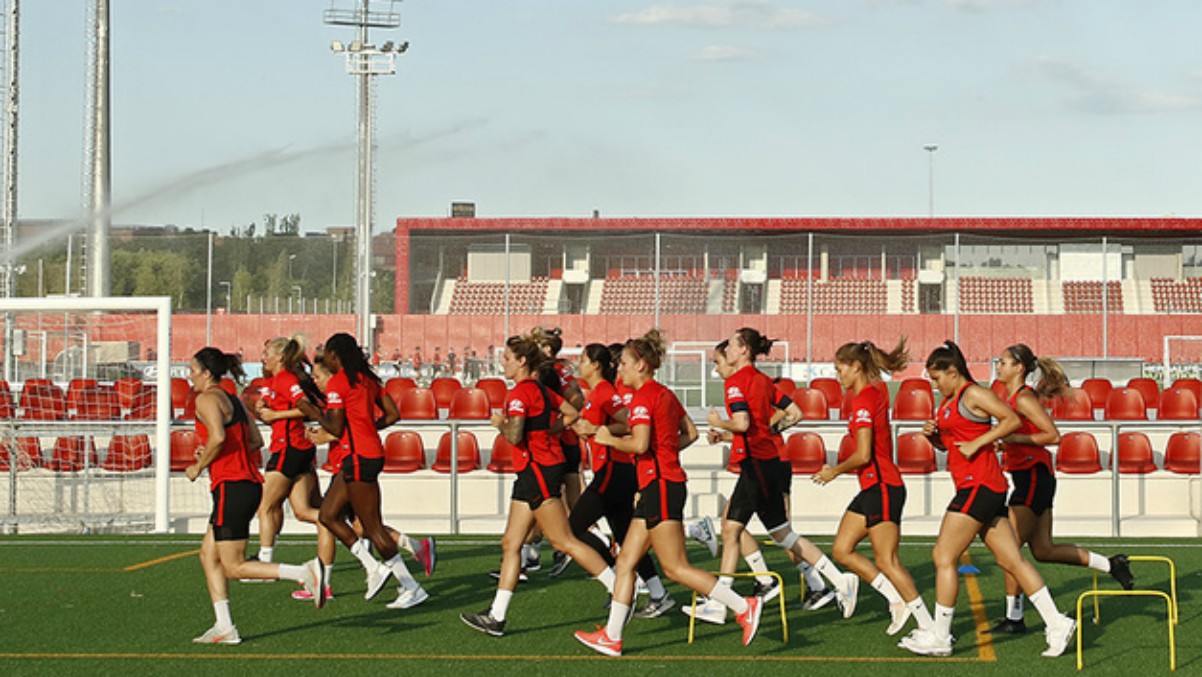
{"x":635,"y":108}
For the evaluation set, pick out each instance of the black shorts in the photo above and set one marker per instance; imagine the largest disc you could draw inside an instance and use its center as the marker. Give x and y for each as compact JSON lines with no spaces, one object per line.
{"x":982,"y":504}
{"x":760,"y":490}
{"x":356,"y":468}
{"x":1034,"y":488}
{"x":879,"y":503}
{"x":292,"y":462}
{"x":537,"y":483}
{"x":571,"y":458}
{"x":234,"y":506}
{"x":661,"y":501}
{"x":615,"y":481}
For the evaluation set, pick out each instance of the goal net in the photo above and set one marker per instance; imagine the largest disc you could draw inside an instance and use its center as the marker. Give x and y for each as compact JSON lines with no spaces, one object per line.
{"x":85,"y":414}
{"x":1182,"y":359}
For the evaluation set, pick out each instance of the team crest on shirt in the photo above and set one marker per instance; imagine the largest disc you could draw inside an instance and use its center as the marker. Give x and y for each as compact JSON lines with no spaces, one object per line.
{"x":296,"y":391}
{"x":618,"y":401}
{"x":333,"y":398}
{"x":863,"y":416}
{"x":517,"y":407}
{"x":640,"y":411}
{"x":733,"y":392}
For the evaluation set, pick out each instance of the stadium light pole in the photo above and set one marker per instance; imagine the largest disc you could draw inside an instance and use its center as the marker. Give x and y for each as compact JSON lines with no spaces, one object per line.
{"x":291,"y":258}
{"x":229,"y":292}
{"x":930,"y":148}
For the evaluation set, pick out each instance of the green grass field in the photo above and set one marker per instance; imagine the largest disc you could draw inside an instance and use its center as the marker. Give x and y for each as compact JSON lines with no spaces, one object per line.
{"x":130,"y":605}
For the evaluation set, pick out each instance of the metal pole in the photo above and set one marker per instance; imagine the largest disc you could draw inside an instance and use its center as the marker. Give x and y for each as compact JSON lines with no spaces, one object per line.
{"x":956,"y":296}
{"x":209,"y":296}
{"x":1105,"y":304}
{"x":67,"y":282}
{"x":454,"y":477}
{"x":657,"y":252}
{"x":98,"y":241}
{"x":363,"y":288}
{"x":810,"y":308}
{"x":930,"y":149}
{"x":1115,"y":521}
{"x":507,"y":334}
{"x":12,"y":37}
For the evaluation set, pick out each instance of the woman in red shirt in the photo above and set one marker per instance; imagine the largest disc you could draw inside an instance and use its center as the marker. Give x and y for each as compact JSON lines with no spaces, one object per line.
{"x":1030,"y":467}
{"x":963,"y":427}
{"x":659,"y":430}
{"x":875,"y":513}
{"x":533,"y":420}
{"x":229,"y":450}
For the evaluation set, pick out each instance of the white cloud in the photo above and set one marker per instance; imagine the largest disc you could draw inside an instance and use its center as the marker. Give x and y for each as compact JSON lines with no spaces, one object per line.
{"x":721,"y":53}
{"x":1095,"y":93}
{"x":725,"y":13}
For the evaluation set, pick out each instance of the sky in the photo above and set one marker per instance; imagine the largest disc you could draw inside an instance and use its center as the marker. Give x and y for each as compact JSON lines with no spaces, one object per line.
{"x":225,"y":110}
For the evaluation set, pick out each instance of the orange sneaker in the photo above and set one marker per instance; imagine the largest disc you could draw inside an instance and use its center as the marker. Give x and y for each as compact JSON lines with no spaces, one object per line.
{"x":750,"y":619}
{"x":600,"y":642}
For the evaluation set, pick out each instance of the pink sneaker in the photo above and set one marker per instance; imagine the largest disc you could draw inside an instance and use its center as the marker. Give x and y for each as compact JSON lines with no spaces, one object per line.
{"x":425,"y":555}
{"x":750,"y":619}
{"x":600,"y":642}
{"x":306,"y":596}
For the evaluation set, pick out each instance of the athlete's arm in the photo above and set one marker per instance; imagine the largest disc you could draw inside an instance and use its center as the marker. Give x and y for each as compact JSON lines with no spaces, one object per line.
{"x":208,"y":412}
{"x":738,"y":422}
{"x":784,"y":419}
{"x":859,"y":458}
{"x":1029,"y":408}
{"x":390,"y":414}
{"x":983,"y":401}
{"x":637,"y":442}
{"x":688,"y":432}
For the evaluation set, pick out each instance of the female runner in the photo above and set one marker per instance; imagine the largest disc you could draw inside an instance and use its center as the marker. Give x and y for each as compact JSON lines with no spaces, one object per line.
{"x":228,"y":444}
{"x":875,"y":513}
{"x":962,"y":427}
{"x":659,"y":430}
{"x":1030,"y":467}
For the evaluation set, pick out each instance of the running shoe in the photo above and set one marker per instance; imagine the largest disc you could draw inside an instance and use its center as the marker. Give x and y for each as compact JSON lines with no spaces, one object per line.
{"x":530,"y":559}
{"x":560,"y":563}
{"x":849,"y":589}
{"x":816,"y":599}
{"x":708,"y":610}
{"x":484,"y":622}
{"x":926,"y":643}
{"x":306,"y":596}
{"x":750,"y":619}
{"x":656,"y":607}
{"x":1120,"y":569}
{"x":407,"y":599}
{"x":425,"y":555}
{"x":377,"y":576}
{"x":1009,"y":627}
{"x":707,"y":535}
{"x":216,"y":636}
{"x":600,"y":642}
{"x":899,"y":613}
{"x":767,"y":591}
{"x":522,"y":577}
{"x":315,"y":581}
{"x":1058,"y":636}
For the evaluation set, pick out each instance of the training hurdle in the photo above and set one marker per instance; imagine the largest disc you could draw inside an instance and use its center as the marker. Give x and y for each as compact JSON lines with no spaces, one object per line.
{"x":784,"y":621}
{"x":1144,"y":558}
{"x":1169,"y":613}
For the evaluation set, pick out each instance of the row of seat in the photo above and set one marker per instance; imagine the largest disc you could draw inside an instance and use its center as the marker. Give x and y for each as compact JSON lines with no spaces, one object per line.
{"x":637,"y":294}
{"x":1083,"y":296}
{"x":996,"y":295}
{"x":125,"y":453}
{"x":838,"y":295}
{"x":489,"y":297}
{"x":1170,"y":296}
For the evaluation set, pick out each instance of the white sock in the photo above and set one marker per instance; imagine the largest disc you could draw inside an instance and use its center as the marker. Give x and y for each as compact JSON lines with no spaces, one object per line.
{"x":655,"y":587}
{"x":222,"y":611}
{"x":500,"y":604}
{"x":756,"y":561}
{"x":1046,"y":606}
{"x":265,"y":554}
{"x":293,"y":572}
{"x":618,"y":613}
{"x":883,"y":585}
{"x":693,"y":529}
{"x":727,"y":581}
{"x":813,"y":580}
{"x":728,"y":597}
{"x":329,"y":573}
{"x":397,"y":565}
{"x":918,"y":609}
{"x":408,"y":543}
{"x":1099,"y":563}
{"x":362,"y":551}
{"x":1014,"y":607}
{"x":943,"y":620}
{"x":827,"y":568}
{"x":607,"y":579}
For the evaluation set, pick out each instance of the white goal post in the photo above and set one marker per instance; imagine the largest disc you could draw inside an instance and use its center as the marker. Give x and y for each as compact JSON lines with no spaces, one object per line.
{"x":13,"y":308}
{"x":1167,"y":377}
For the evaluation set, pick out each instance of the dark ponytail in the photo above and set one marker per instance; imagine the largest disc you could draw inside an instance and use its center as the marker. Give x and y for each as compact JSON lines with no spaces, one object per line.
{"x":949,"y":355}
{"x":218,"y":364}
{"x":1052,"y":382}
{"x":354,"y":362}
{"x":600,"y":354}
{"x":757,"y":344}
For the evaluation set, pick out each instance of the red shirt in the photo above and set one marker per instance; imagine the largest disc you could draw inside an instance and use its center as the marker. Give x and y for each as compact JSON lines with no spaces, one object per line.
{"x":624,"y":391}
{"x":599,"y":409}
{"x":283,"y":392}
{"x":982,"y":470}
{"x":1024,"y":456}
{"x":235,"y":461}
{"x":359,"y":404}
{"x":749,"y":390}
{"x":656,"y":406}
{"x":526,"y":401}
{"x":870,"y":409}
{"x":564,"y":369}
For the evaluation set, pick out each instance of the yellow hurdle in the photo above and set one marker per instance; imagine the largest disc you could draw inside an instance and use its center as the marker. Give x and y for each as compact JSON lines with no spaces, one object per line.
{"x":1170,"y":614}
{"x":1176,"y":611}
{"x":784,"y":621}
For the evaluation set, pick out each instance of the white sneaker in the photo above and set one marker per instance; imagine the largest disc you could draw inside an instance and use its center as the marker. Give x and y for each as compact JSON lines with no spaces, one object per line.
{"x":898,"y":615}
{"x":927,"y":643}
{"x":215,"y":636}
{"x":315,"y":581}
{"x":708,"y":610}
{"x":849,"y":589}
{"x":377,"y":576}
{"x":707,"y":536}
{"x":1058,"y":636}
{"x":407,"y":599}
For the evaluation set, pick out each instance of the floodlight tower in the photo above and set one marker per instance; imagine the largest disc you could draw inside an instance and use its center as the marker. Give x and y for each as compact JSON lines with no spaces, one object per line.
{"x":99,"y":151}
{"x":364,"y":60}
{"x":8,"y":148}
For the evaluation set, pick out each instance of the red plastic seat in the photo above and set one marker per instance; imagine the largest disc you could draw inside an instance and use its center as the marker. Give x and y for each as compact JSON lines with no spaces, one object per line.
{"x":847,"y":447}
{"x":1078,"y":454}
{"x":1191,"y":384}
{"x":500,"y":459}
{"x":395,"y":387}
{"x":181,"y":391}
{"x":1182,"y":453}
{"x":845,"y":406}
{"x":403,"y":452}
{"x":1098,"y":390}
{"x":786,"y":385}
{"x":469,"y":453}
{"x":1178,"y":404}
{"x":418,"y":404}
{"x":188,"y":413}
{"x":42,"y":402}
{"x":915,"y":454}
{"x":1135,"y":454}
{"x":229,"y":386}
{"x":470,"y":403}
{"x":184,"y":444}
{"x":127,"y":391}
{"x":76,"y":388}
{"x":1147,"y":387}
{"x":144,"y":405}
{"x":914,"y":404}
{"x":444,"y":389}
{"x":830,"y":388}
{"x":812,"y":404}
{"x":97,"y":404}
{"x":8,"y":408}
{"x":72,"y":454}
{"x":496,"y":390}
{"x":805,"y":452}
{"x":1074,"y":406}
{"x":128,"y":453}
{"x":29,"y":454}
{"x":1126,"y":404}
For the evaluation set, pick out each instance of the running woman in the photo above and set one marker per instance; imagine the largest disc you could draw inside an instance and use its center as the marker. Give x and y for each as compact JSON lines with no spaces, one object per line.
{"x":962,"y":426}
{"x":533,"y":420}
{"x":659,"y":430}
{"x":875,"y":513}
{"x":1030,"y":466}
{"x":229,"y":443}
{"x":354,"y":394}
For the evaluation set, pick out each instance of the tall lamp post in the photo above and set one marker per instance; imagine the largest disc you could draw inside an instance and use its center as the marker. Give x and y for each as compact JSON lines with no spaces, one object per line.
{"x":229,"y":295}
{"x":291,"y":258}
{"x":930,"y":148}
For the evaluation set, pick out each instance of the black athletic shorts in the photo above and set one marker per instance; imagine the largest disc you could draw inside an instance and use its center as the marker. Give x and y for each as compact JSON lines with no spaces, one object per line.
{"x":982,"y":504}
{"x":356,"y":468}
{"x":760,"y":490}
{"x":292,"y":462}
{"x":879,"y":503}
{"x":1034,"y":487}
{"x":234,"y":506}
{"x":537,"y":483}
{"x":571,"y":457}
{"x":661,"y":501}
{"x":616,"y":481}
